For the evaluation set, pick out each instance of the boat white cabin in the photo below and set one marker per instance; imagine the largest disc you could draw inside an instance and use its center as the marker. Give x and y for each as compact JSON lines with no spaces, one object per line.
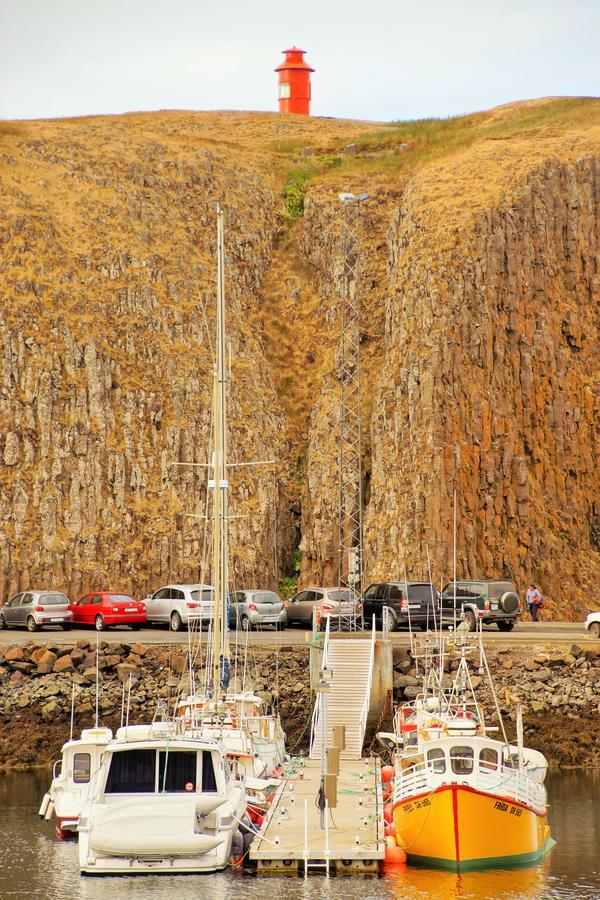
{"x":160,"y":804}
{"x":71,"y":778}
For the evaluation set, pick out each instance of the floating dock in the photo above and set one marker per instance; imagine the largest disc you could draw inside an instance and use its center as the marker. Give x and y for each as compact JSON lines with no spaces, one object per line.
{"x":292,"y":840}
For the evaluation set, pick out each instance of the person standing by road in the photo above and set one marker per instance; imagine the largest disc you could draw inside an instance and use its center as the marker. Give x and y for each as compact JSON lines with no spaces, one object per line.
{"x":534,"y":601}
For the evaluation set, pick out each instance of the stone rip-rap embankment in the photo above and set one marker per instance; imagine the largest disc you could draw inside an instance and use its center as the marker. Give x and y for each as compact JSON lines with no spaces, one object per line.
{"x":557,"y":688}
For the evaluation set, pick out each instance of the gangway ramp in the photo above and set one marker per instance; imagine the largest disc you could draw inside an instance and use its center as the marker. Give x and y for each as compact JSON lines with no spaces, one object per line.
{"x":292,"y":840}
{"x":350,"y":664}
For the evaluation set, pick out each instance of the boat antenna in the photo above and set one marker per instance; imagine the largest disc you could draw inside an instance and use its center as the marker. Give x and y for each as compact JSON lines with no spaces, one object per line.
{"x":431,"y":588}
{"x":97,"y":675}
{"x":219,"y":483}
{"x":72,"y":710}
{"x":410,"y":631}
{"x":454,"y":559}
{"x":128,"y":704}
{"x":122,"y":703}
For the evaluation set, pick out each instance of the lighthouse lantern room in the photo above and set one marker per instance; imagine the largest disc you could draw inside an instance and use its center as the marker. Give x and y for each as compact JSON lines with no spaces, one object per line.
{"x":294,"y":83}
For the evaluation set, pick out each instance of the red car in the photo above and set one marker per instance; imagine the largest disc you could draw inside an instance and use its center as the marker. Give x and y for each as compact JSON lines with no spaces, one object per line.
{"x":103,"y":609}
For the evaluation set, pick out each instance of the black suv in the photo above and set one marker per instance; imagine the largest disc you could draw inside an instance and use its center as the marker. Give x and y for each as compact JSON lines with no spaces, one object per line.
{"x":497,"y":600}
{"x":411,"y":602}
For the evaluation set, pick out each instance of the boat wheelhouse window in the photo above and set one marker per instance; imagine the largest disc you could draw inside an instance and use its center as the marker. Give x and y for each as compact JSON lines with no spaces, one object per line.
{"x":437,"y":759}
{"x":461,"y":759}
{"x":132,"y":772}
{"x":488,"y":759}
{"x":177,"y":771}
{"x":82,"y":763}
{"x":209,"y":782}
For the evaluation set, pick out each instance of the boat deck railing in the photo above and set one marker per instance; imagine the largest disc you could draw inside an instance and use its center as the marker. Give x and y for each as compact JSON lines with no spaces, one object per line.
{"x":503,"y":782}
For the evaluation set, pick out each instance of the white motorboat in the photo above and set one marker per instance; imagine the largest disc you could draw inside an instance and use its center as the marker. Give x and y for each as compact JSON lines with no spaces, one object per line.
{"x":71,"y":779}
{"x":160,"y":802}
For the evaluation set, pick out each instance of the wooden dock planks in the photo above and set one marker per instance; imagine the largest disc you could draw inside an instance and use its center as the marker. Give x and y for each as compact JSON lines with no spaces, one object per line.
{"x":291,"y":832}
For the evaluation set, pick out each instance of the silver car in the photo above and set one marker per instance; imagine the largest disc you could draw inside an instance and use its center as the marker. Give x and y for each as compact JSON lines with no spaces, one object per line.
{"x":176,"y":605}
{"x":253,"y":609}
{"x":328,"y":601}
{"x":34,"y":609}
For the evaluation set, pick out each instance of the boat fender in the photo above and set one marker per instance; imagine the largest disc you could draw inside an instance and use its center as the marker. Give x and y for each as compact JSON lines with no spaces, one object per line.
{"x":44,"y":806}
{"x":246,"y":824}
{"x":49,"y":811}
{"x":248,"y":838}
{"x":237,"y":843}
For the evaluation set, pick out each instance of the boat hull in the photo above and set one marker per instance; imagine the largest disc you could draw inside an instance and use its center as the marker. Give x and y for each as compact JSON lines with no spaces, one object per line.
{"x":458,"y":827}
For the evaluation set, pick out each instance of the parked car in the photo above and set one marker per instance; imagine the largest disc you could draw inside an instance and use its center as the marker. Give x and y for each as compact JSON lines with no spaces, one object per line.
{"x":411,"y":603}
{"x":328,"y":601}
{"x":498,"y":600}
{"x":34,"y":609}
{"x":253,"y":609}
{"x":176,"y":605}
{"x":103,"y":609}
{"x":592,"y":624}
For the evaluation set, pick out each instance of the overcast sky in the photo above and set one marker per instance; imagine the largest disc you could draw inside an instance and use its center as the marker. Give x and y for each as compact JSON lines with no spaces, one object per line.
{"x":376,"y":59}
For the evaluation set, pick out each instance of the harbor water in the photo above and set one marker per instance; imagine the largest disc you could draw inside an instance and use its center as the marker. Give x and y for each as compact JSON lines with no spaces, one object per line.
{"x":33,"y":864}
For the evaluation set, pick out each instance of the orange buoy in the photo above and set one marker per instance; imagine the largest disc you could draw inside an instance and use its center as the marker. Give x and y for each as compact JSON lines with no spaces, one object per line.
{"x":394,"y":856}
{"x":387,"y":773}
{"x":387,"y":813}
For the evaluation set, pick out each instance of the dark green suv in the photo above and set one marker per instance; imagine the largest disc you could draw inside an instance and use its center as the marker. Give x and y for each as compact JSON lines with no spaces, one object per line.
{"x":497,"y":600}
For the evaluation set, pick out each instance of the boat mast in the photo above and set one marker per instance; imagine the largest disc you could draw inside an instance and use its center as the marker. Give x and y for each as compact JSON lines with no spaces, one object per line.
{"x":219,"y":482}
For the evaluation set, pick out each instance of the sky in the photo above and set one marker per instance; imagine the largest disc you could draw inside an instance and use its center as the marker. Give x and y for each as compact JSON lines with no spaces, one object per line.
{"x":376,"y":59}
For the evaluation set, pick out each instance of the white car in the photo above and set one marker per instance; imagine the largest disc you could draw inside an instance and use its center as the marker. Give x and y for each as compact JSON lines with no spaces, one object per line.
{"x":176,"y":605}
{"x":592,"y":624}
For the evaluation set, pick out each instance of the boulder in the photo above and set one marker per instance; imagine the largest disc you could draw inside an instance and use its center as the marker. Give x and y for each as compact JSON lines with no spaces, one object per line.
{"x":531,"y":665}
{"x":46,"y":662}
{"x":50,"y":710}
{"x":77,"y":655}
{"x":537,"y":706}
{"x":83,"y":644}
{"x":576,"y":651}
{"x":111,"y":661}
{"x":139,"y":649}
{"x":402,"y":681}
{"x":64,"y":664}
{"x":25,"y":667}
{"x":134,"y":660}
{"x":17,"y":678}
{"x":541,"y":675}
{"x":37,"y":654}
{"x":90,"y":674}
{"x":83,"y":708}
{"x":412,"y":691}
{"x":14,"y":654}
{"x":126,"y":670}
{"x":555,"y":659}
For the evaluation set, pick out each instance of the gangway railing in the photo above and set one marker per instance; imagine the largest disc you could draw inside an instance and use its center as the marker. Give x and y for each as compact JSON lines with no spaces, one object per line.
{"x":364,"y":713}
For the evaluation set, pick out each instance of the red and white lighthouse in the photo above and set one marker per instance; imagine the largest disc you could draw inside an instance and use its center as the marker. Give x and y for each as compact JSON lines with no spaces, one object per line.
{"x":294,"y":83}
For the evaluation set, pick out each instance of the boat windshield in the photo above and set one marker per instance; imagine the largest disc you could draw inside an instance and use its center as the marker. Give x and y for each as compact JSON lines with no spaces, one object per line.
{"x":138,"y":771}
{"x":461,"y":759}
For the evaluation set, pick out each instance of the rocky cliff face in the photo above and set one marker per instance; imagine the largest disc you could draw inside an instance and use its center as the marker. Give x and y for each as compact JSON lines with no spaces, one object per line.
{"x":491,"y":389}
{"x":480,"y":349}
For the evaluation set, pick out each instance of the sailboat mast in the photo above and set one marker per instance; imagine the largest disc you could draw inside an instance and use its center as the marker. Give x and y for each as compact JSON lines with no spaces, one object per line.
{"x":220,"y":548}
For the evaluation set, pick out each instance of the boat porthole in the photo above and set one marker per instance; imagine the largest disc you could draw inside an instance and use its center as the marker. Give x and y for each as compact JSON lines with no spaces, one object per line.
{"x":346,"y":862}
{"x":288,"y":862}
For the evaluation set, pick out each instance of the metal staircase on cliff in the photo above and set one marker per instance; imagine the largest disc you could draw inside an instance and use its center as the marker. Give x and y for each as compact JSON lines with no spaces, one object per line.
{"x":350,"y":661}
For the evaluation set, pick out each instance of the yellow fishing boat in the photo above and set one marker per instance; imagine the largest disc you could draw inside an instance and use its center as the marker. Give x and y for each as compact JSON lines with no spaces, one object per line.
{"x":463,"y":799}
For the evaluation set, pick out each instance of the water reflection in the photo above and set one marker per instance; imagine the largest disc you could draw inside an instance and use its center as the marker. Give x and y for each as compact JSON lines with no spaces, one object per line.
{"x":34,"y":865}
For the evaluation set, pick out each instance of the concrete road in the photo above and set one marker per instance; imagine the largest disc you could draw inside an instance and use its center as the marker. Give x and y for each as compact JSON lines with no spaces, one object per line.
{"x":524,"y":633}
